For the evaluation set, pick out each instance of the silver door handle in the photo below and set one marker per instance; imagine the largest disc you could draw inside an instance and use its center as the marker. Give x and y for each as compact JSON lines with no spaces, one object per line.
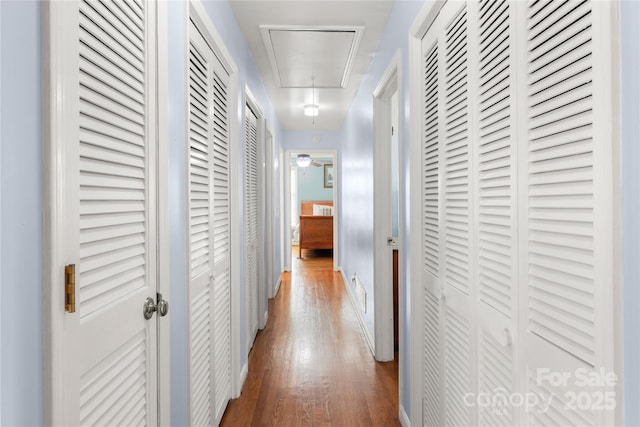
{"x":163,"y":306}
{"x":150,"y":306}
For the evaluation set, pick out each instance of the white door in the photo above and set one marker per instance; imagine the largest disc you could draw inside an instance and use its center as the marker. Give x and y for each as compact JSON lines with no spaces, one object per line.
{"x":447,"y":219}
{"x":457,"y":212}
{"x":431,"y":222}
{"x":568,"y":175}
{"x":108,"y":175}
{"x":495,"y":126}
{"x":209,"y":235}
{"x":518,"y":172}
{"x":251,"y":200}
{"x":385,"y":212}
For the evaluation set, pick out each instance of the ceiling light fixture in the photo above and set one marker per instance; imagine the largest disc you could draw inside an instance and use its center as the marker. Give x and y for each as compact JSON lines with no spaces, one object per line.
{"x":303,"y":160}
{"x":312,"y":110}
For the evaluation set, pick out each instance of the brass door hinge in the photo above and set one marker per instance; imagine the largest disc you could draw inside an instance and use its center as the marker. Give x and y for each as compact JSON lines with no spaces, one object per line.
{"x":70,"y":288}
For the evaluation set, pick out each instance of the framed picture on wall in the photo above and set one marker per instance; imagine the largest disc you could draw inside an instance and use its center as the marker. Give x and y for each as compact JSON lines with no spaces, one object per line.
{"x":328,"y":176}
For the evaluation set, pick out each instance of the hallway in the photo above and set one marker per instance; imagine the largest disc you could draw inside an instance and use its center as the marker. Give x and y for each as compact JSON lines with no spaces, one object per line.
{"x":311,"y":365}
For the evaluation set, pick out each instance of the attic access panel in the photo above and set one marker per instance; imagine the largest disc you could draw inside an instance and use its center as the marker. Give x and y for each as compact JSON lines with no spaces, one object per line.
{"x":296,"y":54}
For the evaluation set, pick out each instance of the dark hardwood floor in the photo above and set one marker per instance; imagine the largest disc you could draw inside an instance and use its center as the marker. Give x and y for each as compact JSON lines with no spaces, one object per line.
{"x":311,"y":365}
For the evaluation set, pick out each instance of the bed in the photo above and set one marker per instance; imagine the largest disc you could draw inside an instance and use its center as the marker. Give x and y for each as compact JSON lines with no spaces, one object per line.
{"x":316,"y":231}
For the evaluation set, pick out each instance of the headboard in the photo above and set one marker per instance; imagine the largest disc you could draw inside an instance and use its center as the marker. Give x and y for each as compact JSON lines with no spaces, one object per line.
{"x":306,"y":207}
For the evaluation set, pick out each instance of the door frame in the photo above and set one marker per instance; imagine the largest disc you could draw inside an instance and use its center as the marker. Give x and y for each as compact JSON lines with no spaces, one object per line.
{"x":270,"y":244}
{"x":388,"y":85}
{"x":287,"y":202}
{"x":55,"y":67}
{"x":281,"y":207}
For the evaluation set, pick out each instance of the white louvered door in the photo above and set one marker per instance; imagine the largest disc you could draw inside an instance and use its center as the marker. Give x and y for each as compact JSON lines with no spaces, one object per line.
{"x":110,"y":189}
{"x":209,"y":235}
{"x":567,"y":175}
{"x":221,"y":239}
{"x":495,"y":200}
{"x":448,"y":332}
{"x":201,"y":388}
{"x":457,"y":211}
{"x":518,"y":173}
{"x":251,"y":222}
{"x":431,"y":256}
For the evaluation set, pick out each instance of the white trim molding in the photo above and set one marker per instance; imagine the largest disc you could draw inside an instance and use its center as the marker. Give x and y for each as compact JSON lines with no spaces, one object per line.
{"x":403,"y":417}
{"x":55,"y":38}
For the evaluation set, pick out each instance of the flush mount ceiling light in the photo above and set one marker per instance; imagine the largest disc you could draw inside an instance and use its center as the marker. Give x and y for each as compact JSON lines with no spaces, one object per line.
{"x":303,"y":160}
{"x":311,"y":110}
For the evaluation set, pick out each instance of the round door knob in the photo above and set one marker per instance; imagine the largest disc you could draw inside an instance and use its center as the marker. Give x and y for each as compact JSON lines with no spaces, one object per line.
{"x":163,"y":307}
{"x":149,"y":308}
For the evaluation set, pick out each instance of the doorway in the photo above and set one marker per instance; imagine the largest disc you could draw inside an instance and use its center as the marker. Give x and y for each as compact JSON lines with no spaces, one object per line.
{"x":308,"y":186}
{"x":387,"y":214}
{"x":269,"y":213}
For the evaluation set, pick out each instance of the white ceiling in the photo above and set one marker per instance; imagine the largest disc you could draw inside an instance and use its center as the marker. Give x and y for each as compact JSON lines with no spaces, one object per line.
{"x":291,"y":41}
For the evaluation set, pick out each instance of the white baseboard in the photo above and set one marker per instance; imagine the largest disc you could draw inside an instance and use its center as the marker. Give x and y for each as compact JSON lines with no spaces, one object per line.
{"x":356,"y":307}
{"x":404,"y":418}
{"x":243,"y":377}
{"x":277,"y":288}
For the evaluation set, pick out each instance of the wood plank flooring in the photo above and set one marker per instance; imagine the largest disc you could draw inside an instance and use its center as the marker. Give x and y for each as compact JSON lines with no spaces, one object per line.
{"x":311,"y":365}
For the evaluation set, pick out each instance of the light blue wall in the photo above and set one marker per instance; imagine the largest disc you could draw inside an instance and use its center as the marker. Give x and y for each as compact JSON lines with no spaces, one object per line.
{"x":630,"y":134}
{"x":225,"y":23}
{"x":311,"y":183}
{"x":177,"y":213}
{"x":356,"y":237}
{"x":303,"y":139}
{"x":21,"y":214}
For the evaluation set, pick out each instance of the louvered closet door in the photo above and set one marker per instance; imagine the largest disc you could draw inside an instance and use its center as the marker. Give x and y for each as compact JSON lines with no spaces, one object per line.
{"x":457,"y":210}
{"x":221,"y":239}
{"x":431,"y":261}
{"x":209,"y":285}
{"x":496,"y":205}
{"x":251,"y":222}
{"x":110,"y":350}
{"x":518,"y":172}
{"x":447,"y":209}
{"x":566,"y":170}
